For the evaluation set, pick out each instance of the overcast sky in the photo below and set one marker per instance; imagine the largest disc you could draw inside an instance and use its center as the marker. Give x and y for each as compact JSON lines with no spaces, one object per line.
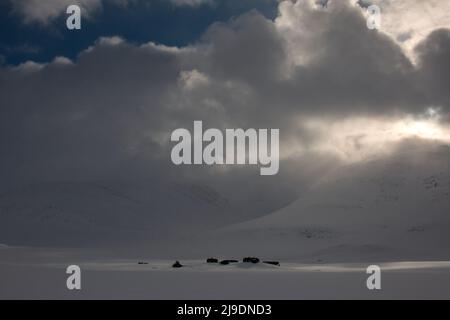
{"x":101,"y":103}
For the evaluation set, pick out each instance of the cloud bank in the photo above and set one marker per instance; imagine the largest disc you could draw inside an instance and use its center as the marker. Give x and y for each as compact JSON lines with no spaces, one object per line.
{"x":110,"y":113}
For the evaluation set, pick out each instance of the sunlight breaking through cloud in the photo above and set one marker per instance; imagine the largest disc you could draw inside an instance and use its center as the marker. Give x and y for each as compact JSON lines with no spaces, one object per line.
{"x":359,"y":138}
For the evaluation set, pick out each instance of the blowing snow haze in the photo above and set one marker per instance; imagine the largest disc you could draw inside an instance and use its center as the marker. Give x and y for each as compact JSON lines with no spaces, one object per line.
{"x":363,"y":118}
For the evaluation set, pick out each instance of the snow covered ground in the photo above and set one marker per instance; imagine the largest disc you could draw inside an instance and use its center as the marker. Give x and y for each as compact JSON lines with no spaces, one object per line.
{"x":387,"y":209}
{"x":391,"y":211}
{"x":126,"y":279}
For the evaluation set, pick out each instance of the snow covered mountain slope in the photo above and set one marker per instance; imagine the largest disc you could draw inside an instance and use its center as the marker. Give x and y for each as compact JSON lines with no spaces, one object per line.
{"x":395,"y":207}
{"x":82,"y":213}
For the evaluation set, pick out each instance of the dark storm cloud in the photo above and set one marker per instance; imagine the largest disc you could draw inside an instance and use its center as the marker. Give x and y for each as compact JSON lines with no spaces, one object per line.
{"x":109,"y":113}
{"x":62,"y":118}
{"x":434,"y":68}
{"x":354,"y":70}
{"x":249,"y":49}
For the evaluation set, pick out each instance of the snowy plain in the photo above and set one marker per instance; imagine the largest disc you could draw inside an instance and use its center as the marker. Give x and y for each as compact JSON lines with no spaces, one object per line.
{"x":126,"y":279}
{"x":393,"y":212}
